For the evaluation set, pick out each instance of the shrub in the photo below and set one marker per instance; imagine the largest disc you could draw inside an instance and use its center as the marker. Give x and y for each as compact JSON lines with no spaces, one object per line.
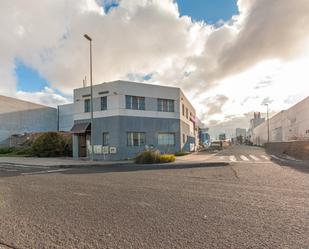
{"x":167,"y":158}
{"x":51,"y":144}
{"x":182,"y":153}
{"x":147,"y":157}
{"x":6,"y":150}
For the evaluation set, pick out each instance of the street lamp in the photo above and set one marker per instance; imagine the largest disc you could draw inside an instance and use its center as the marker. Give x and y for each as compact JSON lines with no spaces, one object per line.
{"x":91,"y":96}
{"x":267,"y":105}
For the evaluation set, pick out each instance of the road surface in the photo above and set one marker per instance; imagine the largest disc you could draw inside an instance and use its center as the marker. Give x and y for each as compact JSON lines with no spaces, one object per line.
{"x":249,"y":203}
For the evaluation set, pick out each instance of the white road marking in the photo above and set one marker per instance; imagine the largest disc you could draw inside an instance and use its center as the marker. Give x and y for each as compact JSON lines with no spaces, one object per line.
{"x":254,"y":158}
{"x":233,"y":158}
{"x":265,"y":157}
{"x":244,"y":158}
{"x":45,"y":171}
{"x":280,"y":159}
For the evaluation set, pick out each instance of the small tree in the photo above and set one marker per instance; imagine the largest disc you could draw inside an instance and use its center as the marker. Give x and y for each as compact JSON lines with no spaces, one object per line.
{"x":50,"y":144}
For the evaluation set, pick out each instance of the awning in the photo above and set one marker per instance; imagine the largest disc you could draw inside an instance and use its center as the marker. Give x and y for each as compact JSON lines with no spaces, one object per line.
{"x":80,"y":128}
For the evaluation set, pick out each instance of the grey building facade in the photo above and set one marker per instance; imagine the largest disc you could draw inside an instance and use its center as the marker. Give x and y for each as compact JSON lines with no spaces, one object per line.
{"x":130,"y":117}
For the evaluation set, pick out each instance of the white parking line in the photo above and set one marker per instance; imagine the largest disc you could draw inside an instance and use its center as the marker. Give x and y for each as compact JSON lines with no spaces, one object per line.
{"x":233,"y":158}
{"x":244,"y":158}
{"x":254,"y":158}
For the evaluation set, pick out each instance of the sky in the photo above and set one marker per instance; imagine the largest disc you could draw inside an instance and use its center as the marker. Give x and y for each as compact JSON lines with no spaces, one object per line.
{"x":230,"y":57}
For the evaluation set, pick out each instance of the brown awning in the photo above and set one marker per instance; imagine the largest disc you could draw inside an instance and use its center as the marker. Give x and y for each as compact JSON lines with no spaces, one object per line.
{"x":80,"y":128}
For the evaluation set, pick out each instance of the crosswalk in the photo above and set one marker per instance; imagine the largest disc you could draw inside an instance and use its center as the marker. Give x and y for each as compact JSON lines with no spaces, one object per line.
{"x":245,"y":158}
{"x":19,"y":169}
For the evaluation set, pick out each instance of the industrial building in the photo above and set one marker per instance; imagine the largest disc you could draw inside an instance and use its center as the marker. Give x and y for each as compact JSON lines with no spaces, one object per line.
{"x":130,"y":117}
{"x":19,"y":117}
{"x":287,"y":125}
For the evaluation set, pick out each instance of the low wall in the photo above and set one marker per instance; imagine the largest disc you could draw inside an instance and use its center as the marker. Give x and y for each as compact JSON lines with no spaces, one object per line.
{"x":296,"y":149}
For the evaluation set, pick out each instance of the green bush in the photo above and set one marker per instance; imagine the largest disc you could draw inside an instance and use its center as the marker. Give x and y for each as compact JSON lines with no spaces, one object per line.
{"x":167,"y":158}
{"x":51,"y":144}
{"x":6,"y":150}
{"x":182,"y":153}
{"x":149,"y":157}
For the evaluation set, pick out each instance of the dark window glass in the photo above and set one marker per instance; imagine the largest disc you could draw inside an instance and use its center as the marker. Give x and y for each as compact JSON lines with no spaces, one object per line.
{"x":104,"y":103}
{"x":136,"y":138}
{"x":165,"y":105}
{"x":87,"y":105}
{"x":135,"y":102}
{"x":105,"y":139}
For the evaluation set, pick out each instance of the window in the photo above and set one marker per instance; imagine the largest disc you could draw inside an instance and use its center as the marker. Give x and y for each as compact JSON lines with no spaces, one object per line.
{"x":183,"y":109}
{"x":87,"y":105}
{"x":136,"y":139}
{"x":187,"y":113}
{"x":183,"y":138}
{"x":166,"y":139}
{"x":104,"y":103}
{"x":165,"y":105}
{"x":105,"y":141}
{"x":135,"y":103}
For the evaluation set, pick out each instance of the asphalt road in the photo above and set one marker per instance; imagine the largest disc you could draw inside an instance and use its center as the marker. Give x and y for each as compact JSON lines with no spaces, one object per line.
{"x":245,"y":204}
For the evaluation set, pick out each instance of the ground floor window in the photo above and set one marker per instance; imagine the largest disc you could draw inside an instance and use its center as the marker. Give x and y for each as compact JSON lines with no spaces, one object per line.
{"x":105,"y":141}
{"x":166,"y":138}
{"x":136,"y":138}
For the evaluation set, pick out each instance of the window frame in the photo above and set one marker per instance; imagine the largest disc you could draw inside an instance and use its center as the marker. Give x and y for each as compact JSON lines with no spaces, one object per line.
{"x":135,"y":102}
{"x":166,"y":141}
{"x":105,"y":140}
{"x":141,"y":139}
{"x":87,"y":105}
{"x":165,"y":105}
{"x":103,"y":101}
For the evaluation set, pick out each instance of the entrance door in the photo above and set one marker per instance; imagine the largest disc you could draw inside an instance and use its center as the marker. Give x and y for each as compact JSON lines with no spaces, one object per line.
{"x":82,"y":151}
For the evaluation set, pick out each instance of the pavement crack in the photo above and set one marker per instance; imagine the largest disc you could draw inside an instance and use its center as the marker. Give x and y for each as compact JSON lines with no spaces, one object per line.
{"x":7,"y":245}
{"x":234,"y":172}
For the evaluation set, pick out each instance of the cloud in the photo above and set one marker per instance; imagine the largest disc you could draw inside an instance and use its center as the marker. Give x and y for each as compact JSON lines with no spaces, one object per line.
{"x":149,"y":37}
{"x":215,"y":104}
{"x":46,"y":97}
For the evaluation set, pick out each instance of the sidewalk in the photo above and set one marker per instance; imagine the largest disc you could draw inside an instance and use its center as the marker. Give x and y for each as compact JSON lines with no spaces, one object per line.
{"x":58,"y":162}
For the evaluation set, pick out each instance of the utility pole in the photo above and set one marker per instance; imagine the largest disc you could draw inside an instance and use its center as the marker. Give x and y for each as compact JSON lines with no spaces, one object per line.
{"x":91,"y":101}
{"x":268,"y":139}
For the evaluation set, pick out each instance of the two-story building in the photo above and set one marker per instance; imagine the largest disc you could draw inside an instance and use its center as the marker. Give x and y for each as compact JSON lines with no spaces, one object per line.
{"x":130,"y":117}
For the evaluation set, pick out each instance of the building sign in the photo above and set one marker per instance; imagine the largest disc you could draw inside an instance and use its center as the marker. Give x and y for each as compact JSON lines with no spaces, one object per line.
{"x":105,"y":150}
{"x":113,"y":150}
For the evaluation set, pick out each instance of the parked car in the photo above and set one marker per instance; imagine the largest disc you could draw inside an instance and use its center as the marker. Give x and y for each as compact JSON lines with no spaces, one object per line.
{"x":216,"y":145}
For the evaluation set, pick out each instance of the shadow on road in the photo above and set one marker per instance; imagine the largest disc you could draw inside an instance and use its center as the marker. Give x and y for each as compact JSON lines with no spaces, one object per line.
{"x":135,"y":167}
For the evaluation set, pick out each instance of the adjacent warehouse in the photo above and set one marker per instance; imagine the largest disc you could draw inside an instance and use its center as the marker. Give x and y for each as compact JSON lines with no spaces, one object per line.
{"x":287,"y":125}
{"x":129,"y":117}
{"x":19,"y":117}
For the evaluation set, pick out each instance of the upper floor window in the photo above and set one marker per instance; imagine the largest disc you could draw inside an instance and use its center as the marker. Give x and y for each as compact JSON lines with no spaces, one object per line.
{"x":104,"y":103}
{"x":135,"y":102}
{"x":87,"y":105}
{"x":187,"y":113}
{"x":136,"y":138}
{"x":165,"y":105}
{"x":183,"y":109}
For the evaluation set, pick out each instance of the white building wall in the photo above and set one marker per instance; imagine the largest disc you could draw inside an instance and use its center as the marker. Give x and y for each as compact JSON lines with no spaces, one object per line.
{"x":288,"y":125}
{"x":116,"y":91}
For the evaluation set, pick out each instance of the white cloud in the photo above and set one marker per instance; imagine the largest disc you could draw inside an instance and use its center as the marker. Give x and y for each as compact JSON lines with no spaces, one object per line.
{"x":46,"y":97}
{"x":252,"y":57}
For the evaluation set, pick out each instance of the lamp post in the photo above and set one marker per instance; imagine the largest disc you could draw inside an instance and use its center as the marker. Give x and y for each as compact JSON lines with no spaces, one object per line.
{"x":267,"y":105}
{"x":91,"y":96}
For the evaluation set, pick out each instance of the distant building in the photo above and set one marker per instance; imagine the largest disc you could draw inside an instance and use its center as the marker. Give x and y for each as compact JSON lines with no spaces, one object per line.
{"x":130,"y":117}
{"x":287,"y":125}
